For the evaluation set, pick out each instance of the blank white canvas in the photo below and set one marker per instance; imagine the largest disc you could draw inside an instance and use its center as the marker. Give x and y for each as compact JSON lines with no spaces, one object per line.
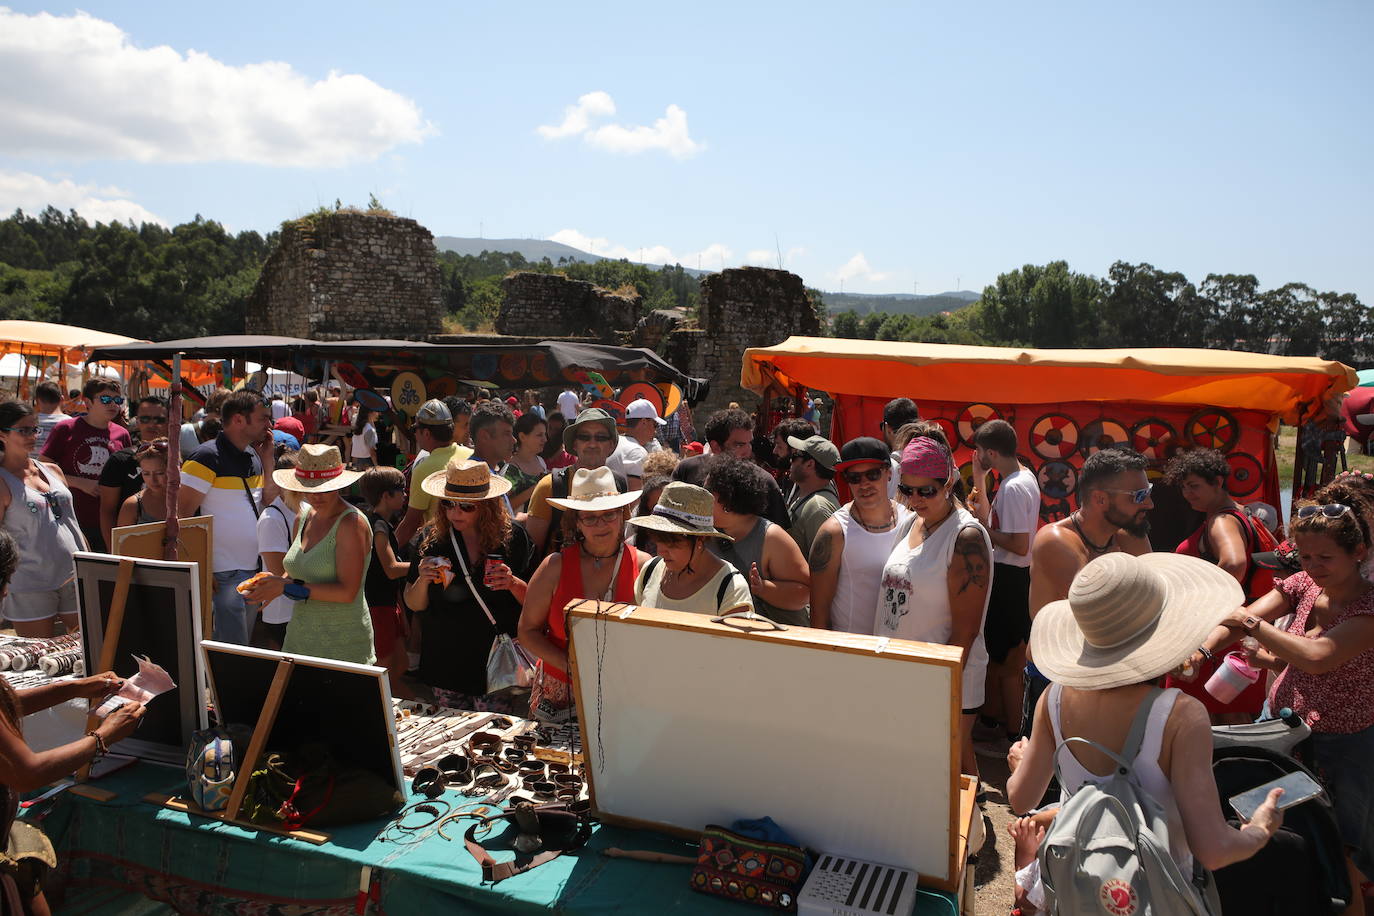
{"x":849,"y":753}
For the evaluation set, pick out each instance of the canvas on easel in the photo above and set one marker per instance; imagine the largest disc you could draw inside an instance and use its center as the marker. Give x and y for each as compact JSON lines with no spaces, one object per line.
{"x":289,"y":700}
{"x":135,"y":607}
{"x":849,"y":742}
{"x":195,"y":544}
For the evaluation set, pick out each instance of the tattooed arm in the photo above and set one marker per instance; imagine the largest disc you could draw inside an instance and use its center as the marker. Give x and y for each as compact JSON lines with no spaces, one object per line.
{"x":826,"y":552}
{"x":970,"y":576}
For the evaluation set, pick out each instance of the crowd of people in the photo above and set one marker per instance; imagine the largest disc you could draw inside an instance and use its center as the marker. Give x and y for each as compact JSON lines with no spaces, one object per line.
{"x":511,"y":509}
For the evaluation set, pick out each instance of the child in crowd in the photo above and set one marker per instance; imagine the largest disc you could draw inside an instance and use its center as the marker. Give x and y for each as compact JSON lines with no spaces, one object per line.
{"x":384,"y":490}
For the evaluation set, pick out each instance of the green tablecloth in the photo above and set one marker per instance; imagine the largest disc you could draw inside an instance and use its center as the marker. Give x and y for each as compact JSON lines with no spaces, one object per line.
{"x":115,"y":853}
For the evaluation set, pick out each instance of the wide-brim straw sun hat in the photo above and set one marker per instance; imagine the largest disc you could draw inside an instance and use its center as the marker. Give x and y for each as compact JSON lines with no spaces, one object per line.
{"x":594,"y":491}
{"x":465,"y":480}
{"x":319,"y":469}
{"x":683,"y":509}
{"x":1131,"y":619}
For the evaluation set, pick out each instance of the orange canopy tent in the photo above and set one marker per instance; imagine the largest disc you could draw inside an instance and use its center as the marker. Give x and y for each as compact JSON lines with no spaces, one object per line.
{"x":1065,"y":404}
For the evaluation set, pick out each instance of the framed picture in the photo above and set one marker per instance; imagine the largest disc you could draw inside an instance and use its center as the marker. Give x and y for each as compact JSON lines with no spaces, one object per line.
{"x":849,"y":742}
{"x":344,"y":706}
{"x":160,"y":620}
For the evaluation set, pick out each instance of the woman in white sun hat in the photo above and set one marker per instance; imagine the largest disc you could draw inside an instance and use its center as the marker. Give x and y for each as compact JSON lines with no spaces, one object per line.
{"x":685,"y":576}
{"x":326,"y":563}
{"x":597,"y":563}
{"x":1127,"y":622}
{"x":468,"y":585}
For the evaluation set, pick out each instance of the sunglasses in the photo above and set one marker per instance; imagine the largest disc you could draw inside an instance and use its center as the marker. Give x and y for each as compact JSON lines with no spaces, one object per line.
{"x":854,"y":478}
{"x":1330,"y":510}
{"x":585,"y":437}
{"x":108,"y":399}
{"x":53,"y":504}
{"x":1137,"y":496}
{"x":144,"y":418}
{"x":455,"y":504}
{"x":22,"y":430}
{"x":925,"y":492}
{"x":795,"y":456}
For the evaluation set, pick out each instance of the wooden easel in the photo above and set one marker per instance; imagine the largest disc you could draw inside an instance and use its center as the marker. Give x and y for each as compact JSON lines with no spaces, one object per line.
{"x":114,"y":625}
{"x":261,"y":731}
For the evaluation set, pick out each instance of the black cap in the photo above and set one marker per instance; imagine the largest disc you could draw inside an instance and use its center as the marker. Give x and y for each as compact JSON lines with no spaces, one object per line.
{"x":1282,"y":559}
{"x":863,"y":449}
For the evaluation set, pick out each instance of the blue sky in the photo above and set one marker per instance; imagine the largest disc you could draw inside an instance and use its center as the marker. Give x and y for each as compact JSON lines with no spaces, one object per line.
{"x":882,"y":147}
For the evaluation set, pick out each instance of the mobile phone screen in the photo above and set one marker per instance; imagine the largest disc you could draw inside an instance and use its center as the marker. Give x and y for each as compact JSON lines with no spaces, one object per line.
{"x":1297,"y":788}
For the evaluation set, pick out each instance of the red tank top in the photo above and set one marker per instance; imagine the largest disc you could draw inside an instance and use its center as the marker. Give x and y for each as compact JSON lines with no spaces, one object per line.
{"x":570,"y":589}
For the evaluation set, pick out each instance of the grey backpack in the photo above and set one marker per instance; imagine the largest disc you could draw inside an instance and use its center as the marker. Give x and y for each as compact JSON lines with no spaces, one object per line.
{"x":1108,"y":848}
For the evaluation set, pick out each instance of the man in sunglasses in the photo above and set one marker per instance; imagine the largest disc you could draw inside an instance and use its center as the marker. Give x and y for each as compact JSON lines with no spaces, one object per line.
{"x":590,"y":439}
{"x":121,"y":477}
{"x":852,"y":546}
{"x":435,"y":437}
{"x":811,"y":467}
{"x":82,"y":445}
{"x":1112,"y":516}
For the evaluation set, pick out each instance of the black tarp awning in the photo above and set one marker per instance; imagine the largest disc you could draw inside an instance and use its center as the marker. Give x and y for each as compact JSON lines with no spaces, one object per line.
{"x":546,"y":364}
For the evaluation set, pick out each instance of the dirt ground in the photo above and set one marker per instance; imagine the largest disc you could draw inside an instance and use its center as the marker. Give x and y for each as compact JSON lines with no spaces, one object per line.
{"x":994,"y":875}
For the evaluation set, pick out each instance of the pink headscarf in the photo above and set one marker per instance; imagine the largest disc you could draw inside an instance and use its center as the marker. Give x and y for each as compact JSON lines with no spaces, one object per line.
{"x":924,"y":457}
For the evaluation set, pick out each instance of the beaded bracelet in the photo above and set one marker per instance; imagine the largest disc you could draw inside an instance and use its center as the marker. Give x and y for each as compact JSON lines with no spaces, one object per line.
{"x":100,"y":749}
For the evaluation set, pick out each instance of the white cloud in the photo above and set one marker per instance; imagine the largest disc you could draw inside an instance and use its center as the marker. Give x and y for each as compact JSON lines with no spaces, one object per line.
{"x":857,"y":268}
{"x":79,"y":87}
{"x":31,"y":193}
{"x":768,"y":257}
{"x":577,"y":118}
{"x":669,"y":133}
{"x":712,"y":257}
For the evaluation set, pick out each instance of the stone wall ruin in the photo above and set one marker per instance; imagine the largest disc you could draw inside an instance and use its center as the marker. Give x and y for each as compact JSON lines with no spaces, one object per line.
{"x":551,"y":305}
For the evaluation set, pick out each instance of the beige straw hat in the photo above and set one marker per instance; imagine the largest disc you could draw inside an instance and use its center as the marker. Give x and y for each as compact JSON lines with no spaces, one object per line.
{"x":1130,"y":619}
{"x":466,"y":480}
{"x":683,"y":509}
{"x":594,"y":491}
{"x":319,"y":469}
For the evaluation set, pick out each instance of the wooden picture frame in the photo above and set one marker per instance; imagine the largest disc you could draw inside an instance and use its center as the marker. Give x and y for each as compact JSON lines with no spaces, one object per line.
{"x":195,"y":544}
{"x":345,"y":706}
{"x":133,"y":606}
{"x":850,"y":742}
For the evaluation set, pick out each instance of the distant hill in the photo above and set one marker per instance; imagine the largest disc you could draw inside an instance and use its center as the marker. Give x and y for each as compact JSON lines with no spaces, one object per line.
{"x":533,"y":250}
{"x":898,"y":303}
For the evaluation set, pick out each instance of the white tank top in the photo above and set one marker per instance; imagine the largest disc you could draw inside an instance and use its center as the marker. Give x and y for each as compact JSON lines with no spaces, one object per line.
{"x":1146,"y":768}
{"x":861,"y":571}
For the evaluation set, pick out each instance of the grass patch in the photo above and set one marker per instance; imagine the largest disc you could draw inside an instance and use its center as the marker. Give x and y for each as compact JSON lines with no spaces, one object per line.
{"x":1286,"y":452}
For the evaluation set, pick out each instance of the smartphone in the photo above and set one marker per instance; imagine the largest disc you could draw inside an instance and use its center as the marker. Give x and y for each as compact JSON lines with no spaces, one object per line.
{"x":1297,"y":788}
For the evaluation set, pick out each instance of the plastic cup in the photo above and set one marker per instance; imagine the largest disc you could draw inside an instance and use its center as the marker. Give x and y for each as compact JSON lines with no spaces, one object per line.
{"x":1231,"y":678}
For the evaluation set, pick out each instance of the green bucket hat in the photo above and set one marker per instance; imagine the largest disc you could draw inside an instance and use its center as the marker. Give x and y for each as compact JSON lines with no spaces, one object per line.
{"x":590,"y":415}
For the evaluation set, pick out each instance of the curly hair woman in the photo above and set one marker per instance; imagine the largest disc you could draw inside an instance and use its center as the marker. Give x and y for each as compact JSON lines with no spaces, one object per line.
{"x":469,"y":584}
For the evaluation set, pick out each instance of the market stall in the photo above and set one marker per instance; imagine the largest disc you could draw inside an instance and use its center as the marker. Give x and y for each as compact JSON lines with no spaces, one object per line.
{"x":44,"y":351}
{"x":1067,"y":404}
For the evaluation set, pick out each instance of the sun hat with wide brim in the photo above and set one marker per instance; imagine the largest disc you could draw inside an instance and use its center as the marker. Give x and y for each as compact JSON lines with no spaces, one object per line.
{"x":465,"y":480}
{"x":683,"y":509}
{"x":594,"y":491}
{"x":1131,"y":619}
{"x":319,"y":469}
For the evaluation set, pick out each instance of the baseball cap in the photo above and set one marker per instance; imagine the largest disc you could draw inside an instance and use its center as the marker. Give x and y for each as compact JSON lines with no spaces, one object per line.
{"x":643,"y":409}
{"x":282,"y":437}
{"x":817,"y":447}
{"x":861,"y":450}
{"x":434,"y":412}
{"x":291,"y":426}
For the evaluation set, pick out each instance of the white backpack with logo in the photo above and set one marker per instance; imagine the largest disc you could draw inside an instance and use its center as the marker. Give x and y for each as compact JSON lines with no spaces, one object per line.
{"x":1107,"y":851}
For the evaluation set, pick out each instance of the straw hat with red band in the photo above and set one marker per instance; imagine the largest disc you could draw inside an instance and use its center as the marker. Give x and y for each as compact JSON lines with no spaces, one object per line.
{"x":319,"y":469}
{"x":465,"y":480}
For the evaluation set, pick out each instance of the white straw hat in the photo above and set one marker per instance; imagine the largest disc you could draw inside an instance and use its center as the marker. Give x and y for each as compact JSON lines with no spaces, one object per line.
{"x":319,"y":469}
{"x":1131,"y":619}
{"x":594,"y":491}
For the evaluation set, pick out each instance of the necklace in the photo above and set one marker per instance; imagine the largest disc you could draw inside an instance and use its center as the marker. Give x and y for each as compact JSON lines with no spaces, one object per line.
{"x":596,"y":560}
{"x":1111,"y":541}
{"x":891,"y":519}
{"x":926,"y":529}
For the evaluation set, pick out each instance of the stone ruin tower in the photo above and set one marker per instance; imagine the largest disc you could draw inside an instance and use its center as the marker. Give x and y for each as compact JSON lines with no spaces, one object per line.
{"x":349,"y":275}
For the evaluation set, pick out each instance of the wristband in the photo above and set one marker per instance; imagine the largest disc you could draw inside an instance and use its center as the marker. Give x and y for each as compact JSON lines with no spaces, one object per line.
{"x":296,"y":590}
{"x":100,"y":749}
{"x":1204,"y":652}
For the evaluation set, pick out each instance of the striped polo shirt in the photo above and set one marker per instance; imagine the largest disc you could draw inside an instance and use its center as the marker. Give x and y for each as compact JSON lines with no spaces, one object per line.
{"x":226,"y":475}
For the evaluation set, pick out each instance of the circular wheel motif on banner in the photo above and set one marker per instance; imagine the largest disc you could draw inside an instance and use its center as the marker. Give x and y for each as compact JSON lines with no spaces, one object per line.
{"x":672,"y":398}
{"x":1246,"y":474}
{"x":407,"y":394}
{"x":539,"y":368}
{"x":350,"y":375}
{"x":1054,"y":436}
{"x":1154,"y":439}
{"x":972,"y":417}
{"x":611,"y":407}
{"x":443,"y":386}
{"x":951,"y":433}
{"x":1100,"y":434}
{"x":371,"y":400}
{"x":1058,"y":481}
{"x":513,"y":366}
{"x":484,"y":367}
{"x":636,"y":390}
{"x":1212,"y":427}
